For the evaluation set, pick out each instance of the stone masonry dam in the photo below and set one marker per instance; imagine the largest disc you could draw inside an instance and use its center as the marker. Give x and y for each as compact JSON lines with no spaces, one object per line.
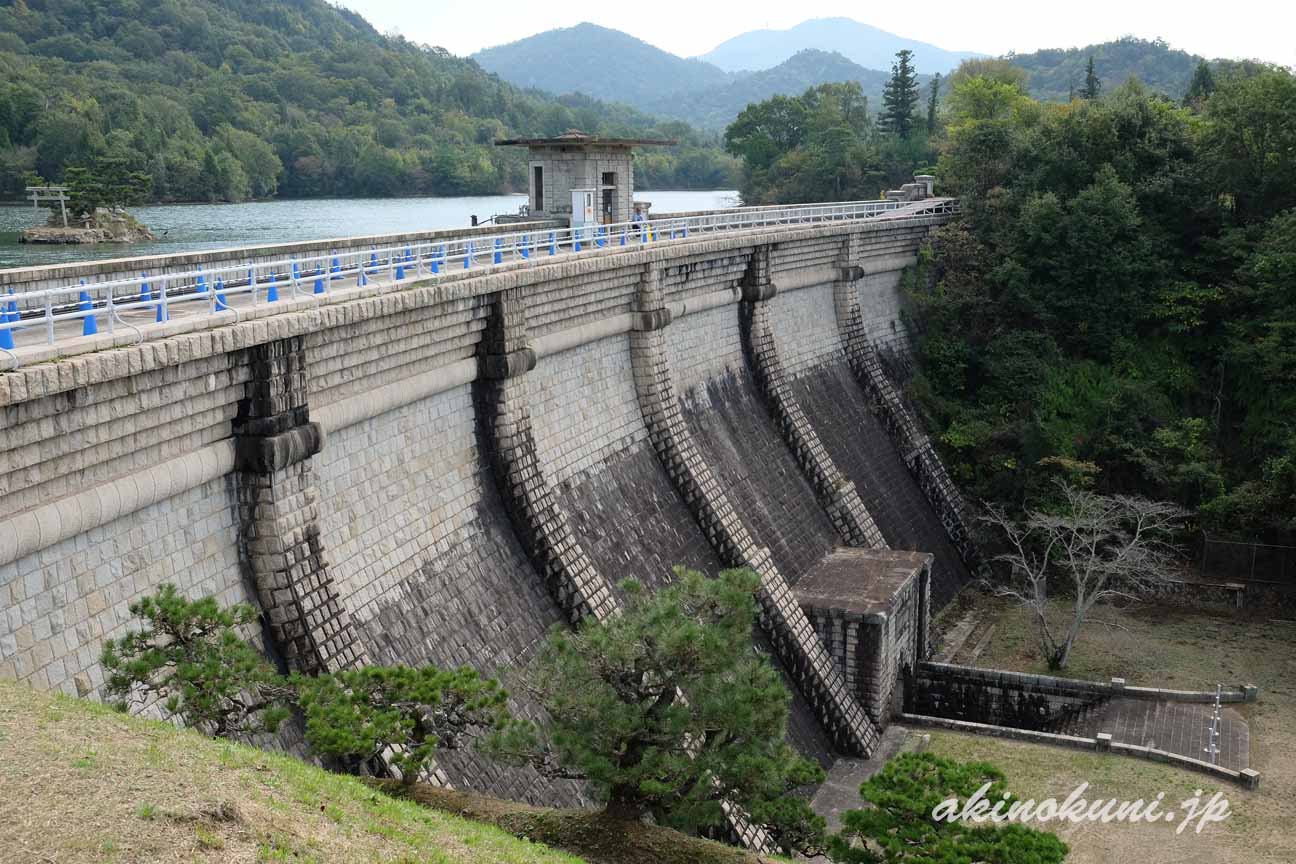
{"x":441,"y":470}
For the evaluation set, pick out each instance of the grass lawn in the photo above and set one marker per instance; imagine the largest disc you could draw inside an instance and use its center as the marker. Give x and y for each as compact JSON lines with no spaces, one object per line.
{"x":82,"y":783}
{"x":1158,"y":645}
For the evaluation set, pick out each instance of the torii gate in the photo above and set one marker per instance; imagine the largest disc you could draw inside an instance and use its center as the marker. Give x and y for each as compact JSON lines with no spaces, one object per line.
{"x":51,"y":195}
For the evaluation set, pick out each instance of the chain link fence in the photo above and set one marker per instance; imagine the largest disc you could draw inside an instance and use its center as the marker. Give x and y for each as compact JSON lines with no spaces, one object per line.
{"x":1239,"y":561}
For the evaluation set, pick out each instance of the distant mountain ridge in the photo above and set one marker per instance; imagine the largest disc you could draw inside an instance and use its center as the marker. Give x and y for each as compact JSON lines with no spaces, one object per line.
{"x":611,"y":65}
{"x":599,"y":62}
{"x":717,"y":107}
{"x":607,"y":64}
{"x":860,"y":43}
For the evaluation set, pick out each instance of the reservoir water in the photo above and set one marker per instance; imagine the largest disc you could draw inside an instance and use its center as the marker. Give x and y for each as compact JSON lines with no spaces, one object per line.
{"x":189,"y":227}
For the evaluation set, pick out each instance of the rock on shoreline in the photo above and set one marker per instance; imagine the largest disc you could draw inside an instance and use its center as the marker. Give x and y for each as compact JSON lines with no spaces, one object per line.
{"x":108,"y":227}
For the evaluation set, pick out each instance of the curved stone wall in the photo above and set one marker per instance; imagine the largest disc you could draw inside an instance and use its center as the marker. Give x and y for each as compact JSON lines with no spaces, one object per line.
{"x":441,"y":473}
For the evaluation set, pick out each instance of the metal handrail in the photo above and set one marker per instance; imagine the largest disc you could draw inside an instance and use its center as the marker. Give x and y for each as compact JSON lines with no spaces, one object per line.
{"x":263,"y":282}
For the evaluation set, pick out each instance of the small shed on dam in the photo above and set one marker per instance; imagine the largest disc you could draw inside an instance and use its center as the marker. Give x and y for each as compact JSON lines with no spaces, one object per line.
{"x":580,"y":177}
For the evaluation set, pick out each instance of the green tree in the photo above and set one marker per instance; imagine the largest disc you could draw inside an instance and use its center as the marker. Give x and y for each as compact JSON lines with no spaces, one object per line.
{"x":767,"y":130}
{"x":818,"y":146}
{"x":257,"y":158}
{"x":1201,"y":86}
{"x":900,"y":97}
{"x":669,"y":710}
{"x":191,"y":658}
{"x":898,"y":825}
{"x":109,"y":183}
{"x":359,"y":715}
{"x":933,"y":96}
{"x":1250,"y":143}
{"x":1259,"y":355}
{"x":1092,"y":85}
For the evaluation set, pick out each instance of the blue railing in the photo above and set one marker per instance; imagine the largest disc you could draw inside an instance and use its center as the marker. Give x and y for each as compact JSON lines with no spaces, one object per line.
{"x":73,"y":311}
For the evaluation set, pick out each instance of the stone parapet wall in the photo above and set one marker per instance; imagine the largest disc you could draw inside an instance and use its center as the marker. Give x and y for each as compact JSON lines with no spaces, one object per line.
{"x":1247,"y":778}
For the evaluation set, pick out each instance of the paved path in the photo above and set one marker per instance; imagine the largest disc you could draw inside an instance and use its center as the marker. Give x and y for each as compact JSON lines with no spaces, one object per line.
{"x":1176,"y":727}
{"x":840,"y":791}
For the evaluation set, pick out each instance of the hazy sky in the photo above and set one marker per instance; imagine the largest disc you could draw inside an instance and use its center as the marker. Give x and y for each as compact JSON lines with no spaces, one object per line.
{"x":1262,"y":29}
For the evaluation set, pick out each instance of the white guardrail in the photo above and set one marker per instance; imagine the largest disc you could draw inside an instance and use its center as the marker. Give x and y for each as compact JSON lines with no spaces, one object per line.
{"x":224,"y":289}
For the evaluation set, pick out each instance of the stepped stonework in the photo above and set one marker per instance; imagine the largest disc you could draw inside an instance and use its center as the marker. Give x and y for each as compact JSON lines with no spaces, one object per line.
{"x":440,"y":471}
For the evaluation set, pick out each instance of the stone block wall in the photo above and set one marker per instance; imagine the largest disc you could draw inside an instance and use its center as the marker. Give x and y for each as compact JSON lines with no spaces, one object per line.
{"x":706,"y":350}
{"x":565,"y":170}
{"x":805,"y":326}
{"x":584,"y":409}
{"x":837,"y":495}
{"x":60,"y":604}
{"x":861,"y":447}
{"x":440,"y":472}
{"x":874,"y":625}
{"x":62,"y":433}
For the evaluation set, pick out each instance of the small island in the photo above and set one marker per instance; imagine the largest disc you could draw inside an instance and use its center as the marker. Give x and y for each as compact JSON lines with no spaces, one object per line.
{"x":90,"y":207}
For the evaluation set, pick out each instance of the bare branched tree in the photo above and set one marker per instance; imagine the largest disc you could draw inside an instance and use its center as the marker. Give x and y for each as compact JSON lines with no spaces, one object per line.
{"x":1101,"y":547}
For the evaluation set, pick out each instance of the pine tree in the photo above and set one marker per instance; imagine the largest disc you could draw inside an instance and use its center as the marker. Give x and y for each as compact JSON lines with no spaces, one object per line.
{"x":668,"y":710}
{"x":1201,"y":86}
{"x":900,"y":826}
{"x":191,"y":660}
{"x":900,"y":97}
{"x":358,"y":715}
{"x":932,"y":98}
{"x":1092,"y":84}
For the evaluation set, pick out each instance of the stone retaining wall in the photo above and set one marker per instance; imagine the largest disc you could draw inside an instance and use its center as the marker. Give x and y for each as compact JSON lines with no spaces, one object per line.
{"x":1049,"y":684}
{"x":1247,"y":777}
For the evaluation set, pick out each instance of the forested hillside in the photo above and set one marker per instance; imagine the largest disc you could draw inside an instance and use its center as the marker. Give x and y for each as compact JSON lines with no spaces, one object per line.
{"x":1116,"y":306}
{"x":1055,"y":74}
{"x":230,"y":99}
{"x":612,"y":65}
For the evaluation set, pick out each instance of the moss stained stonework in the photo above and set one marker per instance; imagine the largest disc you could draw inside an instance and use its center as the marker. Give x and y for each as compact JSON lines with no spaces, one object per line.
{"x":279,"y":514}
{"x":785,"y":622}
{"x":439,"y":471}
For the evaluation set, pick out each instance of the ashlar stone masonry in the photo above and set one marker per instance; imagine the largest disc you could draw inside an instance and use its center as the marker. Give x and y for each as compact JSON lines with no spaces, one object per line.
{"x":204,"y":458}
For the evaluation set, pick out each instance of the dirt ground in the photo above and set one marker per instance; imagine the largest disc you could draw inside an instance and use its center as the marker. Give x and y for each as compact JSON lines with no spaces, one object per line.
{"x":1158,"y":645}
